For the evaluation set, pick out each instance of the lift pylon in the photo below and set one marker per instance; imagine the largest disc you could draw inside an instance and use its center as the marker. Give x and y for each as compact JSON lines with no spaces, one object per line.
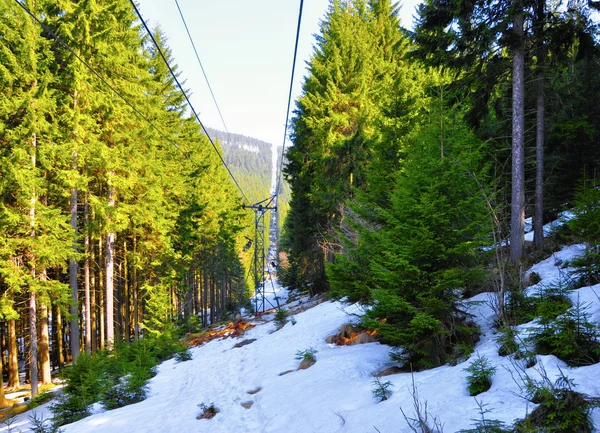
{"x":259,"y":265}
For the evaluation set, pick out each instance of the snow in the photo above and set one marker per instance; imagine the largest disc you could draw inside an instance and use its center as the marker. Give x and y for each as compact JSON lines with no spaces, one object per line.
{"x":335,"y":395}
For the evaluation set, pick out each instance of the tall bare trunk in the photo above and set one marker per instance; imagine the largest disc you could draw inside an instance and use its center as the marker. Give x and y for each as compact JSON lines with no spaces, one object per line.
{"x":44,"y":347}
{"x":86,"y":280}
{"x":33,"y":337}
{"x":57,"y":325}
{"x":3,"y":401}
{"x":538,"y":220}
{"x":33,"y":344}
{"x":110,"y":269}
{"x":13,"y":356}
{"x":73,"y":269}
{"x":518,"y":139}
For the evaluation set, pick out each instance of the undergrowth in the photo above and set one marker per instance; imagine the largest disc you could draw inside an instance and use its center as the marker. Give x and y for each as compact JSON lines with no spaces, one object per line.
{"x":116,"y":378}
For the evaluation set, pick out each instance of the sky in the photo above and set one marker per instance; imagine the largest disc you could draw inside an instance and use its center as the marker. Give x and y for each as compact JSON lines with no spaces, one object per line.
{"x":246,"y":49}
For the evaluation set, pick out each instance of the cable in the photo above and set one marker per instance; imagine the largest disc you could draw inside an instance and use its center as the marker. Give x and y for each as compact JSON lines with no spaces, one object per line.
{"x":187,"y":99}
{"x":115,"y":91}
{"x":202,"y":68}
{"x":287,"y":115}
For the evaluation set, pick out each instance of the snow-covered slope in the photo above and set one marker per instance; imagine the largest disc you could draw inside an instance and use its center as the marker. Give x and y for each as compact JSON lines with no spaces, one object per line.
{"x":334,"y":395}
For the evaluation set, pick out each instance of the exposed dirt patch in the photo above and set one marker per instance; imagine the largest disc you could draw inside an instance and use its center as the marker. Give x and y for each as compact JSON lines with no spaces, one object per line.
{"x":247,"y":404}
{"x":255,"y":390}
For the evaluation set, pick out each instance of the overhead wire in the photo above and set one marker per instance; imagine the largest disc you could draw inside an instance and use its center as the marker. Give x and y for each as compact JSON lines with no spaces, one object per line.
{"x":187,"y":99}
{"x":289,"y":102}
{"x":202,"y":69}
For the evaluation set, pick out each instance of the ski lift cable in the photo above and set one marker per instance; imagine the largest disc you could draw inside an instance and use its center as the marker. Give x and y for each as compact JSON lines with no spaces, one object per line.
{"x":187,"y":99}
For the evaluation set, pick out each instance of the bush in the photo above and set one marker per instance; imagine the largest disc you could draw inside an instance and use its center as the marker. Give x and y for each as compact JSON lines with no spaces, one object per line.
{"x":306,"y":355}
{"x":281,"y":318}
{"x":480,"y":378}
{"x":381,"y":390}
{"x":586,"y":223}
{"x":507,"y":342}
{"x":571,"y":337}
{"x":115,"y":378}
{"x":560,"y":410}
{"x":586,"y":270}
{"x":183,"y":356}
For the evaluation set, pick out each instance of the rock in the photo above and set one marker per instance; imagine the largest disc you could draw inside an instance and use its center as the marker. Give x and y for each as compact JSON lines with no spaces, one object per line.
{"x":362,"y":339}
{"x":247,"y":404}
{"x":307,"y":363}
{"x":389,"y":371}
{"x":245,"y":342}
{"x":254,"y":391}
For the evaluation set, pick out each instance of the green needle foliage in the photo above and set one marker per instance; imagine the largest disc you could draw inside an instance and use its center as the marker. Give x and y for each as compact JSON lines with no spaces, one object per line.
{"x":481,"y":372}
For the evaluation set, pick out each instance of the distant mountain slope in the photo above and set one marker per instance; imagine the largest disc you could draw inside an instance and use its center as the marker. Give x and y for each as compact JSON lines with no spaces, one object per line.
{"x":250,"y":161}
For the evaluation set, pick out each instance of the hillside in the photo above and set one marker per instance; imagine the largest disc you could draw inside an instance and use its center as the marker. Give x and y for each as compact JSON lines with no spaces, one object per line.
{"x":250,"y":161}
{"x":336,"y":393}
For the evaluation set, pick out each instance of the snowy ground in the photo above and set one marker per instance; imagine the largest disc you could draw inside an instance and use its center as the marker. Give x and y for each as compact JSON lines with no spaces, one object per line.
{"x":334,"y":395}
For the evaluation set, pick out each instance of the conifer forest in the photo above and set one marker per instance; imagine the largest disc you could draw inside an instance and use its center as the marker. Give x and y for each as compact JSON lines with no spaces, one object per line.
{"x":416,"y":157}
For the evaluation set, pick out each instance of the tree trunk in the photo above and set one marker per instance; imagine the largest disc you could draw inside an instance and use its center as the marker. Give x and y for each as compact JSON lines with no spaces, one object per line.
{"x":538,"y":218}
{"x":57,"y":326}
{"x":73,"y":268}
{"x":33,"y":344}
{"x":518,"y":139}
{"x":44,"y":348}
{"x":33,"y":338}
{"x":13,"y":356}
{"x":110,"y":266}
{"x":86,"y":280}
{"x":3,"y":401}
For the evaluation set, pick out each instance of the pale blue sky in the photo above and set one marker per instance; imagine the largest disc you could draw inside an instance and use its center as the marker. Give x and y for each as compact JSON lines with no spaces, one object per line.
{"x":246,"y":48}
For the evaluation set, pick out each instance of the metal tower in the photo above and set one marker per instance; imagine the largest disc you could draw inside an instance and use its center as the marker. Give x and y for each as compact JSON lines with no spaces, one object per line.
{"x":259,"y":267}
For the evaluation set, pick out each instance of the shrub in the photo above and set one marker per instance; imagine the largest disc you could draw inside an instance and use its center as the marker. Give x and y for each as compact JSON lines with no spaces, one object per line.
{"x":115,"y":378}
{"x":281,"y":318}
{"x":381,"y":390}
{"x":208,"y":411}
{"x":561,"y":409}
{"x":507,"y":341}
{"x":306,"y":355}
{"x":483,"y":425}
{"x":586,"y":270}
{"x":183,"y":356}
{"x":571,"y":337}
{"x":41,"y":425}
{"x":480,"y":378}
{"x":587,"y":214}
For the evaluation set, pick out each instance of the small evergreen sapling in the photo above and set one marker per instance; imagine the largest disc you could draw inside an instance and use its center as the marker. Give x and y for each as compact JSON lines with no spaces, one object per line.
{"x":306,"y":355}
{"x":281,"y":318}
{"x":480,"y":378}
{"x":381,"y":390}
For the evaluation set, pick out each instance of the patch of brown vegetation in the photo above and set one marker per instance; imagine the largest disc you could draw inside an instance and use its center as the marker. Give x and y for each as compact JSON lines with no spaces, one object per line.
{"x":247,"y":404}
{"x":390,"y":371}
{"x":209,"y":412}
{"x":286,"y":372}
{"x":348,"y":335}
{"x":254,"y":391}
{"x":229,"y":329}
{"x":307,"y":363}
